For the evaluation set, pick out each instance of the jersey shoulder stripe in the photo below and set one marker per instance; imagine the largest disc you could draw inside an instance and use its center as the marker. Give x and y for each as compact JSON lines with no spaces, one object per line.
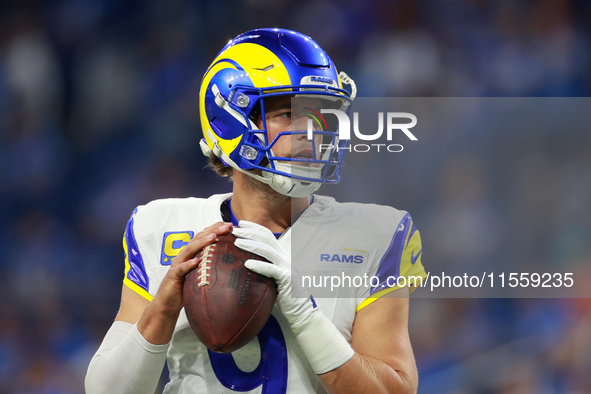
{"x":136,"y":277}
{"x":400,"y":266}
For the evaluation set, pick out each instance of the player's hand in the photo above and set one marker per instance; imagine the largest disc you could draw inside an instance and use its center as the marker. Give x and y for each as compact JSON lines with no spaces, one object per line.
{"x":170,"y":294}
{"x":259,"y":240}
{"x":322,"y":343}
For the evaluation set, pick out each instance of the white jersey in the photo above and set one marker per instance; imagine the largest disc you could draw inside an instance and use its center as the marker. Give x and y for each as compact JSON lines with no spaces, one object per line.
{"x":330,"y":237}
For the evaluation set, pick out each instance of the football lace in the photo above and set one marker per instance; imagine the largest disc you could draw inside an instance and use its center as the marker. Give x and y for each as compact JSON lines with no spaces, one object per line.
{"x":205,"y":265}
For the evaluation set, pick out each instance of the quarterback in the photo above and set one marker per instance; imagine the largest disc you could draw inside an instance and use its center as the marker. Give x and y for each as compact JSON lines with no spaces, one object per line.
{"x":260,"y":107}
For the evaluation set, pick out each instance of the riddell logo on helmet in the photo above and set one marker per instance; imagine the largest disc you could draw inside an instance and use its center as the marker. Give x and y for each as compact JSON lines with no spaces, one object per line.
{"x":344,"y":127}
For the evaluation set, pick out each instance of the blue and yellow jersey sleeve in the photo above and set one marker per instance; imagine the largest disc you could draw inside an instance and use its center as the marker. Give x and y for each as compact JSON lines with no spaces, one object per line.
{"x":156,"y":233}
{"x":400,"y":266}
{"x":136,"y":275}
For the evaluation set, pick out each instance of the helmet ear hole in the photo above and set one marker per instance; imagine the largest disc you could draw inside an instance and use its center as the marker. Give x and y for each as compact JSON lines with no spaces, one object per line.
{"x":255,"y":113}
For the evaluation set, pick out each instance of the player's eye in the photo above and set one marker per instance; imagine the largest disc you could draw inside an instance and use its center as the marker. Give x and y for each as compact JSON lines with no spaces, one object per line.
{"x":280,"y":114}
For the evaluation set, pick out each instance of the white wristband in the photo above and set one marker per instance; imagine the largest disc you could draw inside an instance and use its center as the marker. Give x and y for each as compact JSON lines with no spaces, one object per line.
{"x":125,"y":362}
{"x":322,"y":343}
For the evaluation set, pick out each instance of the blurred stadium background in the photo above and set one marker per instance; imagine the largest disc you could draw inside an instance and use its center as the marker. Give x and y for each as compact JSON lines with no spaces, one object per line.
{"x":98,"y":114}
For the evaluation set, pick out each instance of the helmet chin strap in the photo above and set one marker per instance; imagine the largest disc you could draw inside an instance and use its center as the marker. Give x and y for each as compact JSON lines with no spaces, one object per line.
{"x":292,"y":187}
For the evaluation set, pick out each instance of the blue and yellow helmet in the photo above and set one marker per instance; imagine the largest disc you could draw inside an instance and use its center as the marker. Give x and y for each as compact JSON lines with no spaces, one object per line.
{"x":266,"y":63}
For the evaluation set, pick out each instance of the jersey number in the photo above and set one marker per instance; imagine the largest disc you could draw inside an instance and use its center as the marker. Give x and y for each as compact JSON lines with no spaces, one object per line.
{"x":271,"y":372}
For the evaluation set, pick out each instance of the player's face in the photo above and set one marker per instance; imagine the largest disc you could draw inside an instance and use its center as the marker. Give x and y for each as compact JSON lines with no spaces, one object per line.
{"x":282,"y":116}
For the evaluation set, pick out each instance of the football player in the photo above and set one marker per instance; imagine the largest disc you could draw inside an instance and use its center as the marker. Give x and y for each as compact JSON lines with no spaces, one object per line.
{"x":261,"y":104}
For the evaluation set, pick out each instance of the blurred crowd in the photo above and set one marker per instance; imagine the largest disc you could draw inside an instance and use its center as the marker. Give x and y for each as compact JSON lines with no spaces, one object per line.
{"x":98,"y":114}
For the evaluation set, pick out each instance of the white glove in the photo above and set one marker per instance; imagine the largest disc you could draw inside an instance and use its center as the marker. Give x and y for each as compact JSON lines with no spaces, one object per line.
{"x":322,"y":343}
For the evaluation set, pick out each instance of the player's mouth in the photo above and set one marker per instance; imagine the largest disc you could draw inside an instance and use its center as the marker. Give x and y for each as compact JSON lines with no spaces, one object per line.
{"x":305,"y":154}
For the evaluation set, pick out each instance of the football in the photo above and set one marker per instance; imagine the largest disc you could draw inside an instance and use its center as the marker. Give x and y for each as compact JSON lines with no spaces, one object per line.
{"x":226,"y":304}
